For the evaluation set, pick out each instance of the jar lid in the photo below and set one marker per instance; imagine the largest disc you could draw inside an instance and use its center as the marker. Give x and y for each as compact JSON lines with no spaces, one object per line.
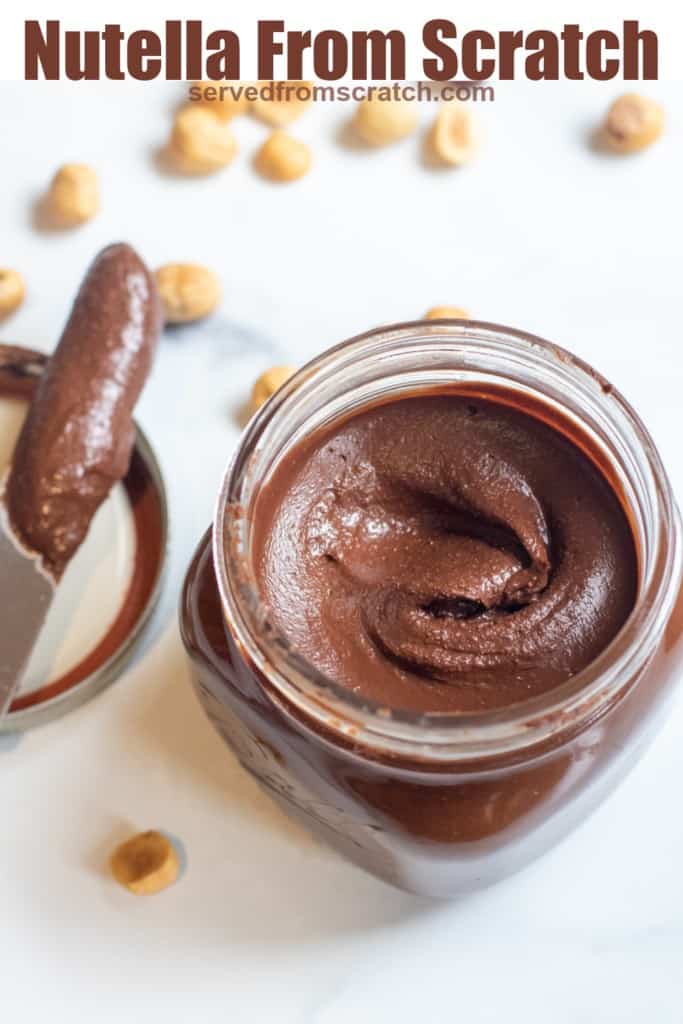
{"x":111,"y":586}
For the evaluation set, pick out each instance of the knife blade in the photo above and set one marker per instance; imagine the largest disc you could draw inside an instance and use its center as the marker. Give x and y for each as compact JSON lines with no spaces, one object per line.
{"x":27,"y":595}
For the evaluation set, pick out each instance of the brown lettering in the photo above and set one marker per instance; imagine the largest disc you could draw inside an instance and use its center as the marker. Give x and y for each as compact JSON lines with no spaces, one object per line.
{"x":224,"y":62}
{"x":41,"y":51}
{"x":509,"y":43}
{"x":545,"y":63}
{"x":433,"y":35}
{"x":268,"y":47}
{"x":330,"y":55}
{"x":144,"y":55}
{"x":571,"y":37}
{"x":174,"y":67}
{"x":636,"y":41}
{"x":84,"y":45}
{"x":112,"y":37}
{"x":297,"y":42}
{"x":596,"y":66}
{"x":380,"y":45}
{"x":193,"y":50}
{"x":473,"y":66}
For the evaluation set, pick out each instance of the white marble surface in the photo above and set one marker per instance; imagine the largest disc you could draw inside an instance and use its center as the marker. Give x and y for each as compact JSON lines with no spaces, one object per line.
{"x":266,"y":925}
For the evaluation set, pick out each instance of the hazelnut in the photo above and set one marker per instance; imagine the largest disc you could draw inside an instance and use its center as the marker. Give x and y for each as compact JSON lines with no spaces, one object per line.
{"x":282,"y":158}
{"x":446,"y":313}
{"x":12,"y":291}
{"x":145,"y":864}
{"x":74,"y":196}
{"x":268,"y":383}
{"x":188,"y":291}
{"x":379,"y":122}
{"x":201,"y":142}
{"x":295,"y":98}
{"x":633,"y":122}
{"x":220,"y":99}
{"x":452,"y":137}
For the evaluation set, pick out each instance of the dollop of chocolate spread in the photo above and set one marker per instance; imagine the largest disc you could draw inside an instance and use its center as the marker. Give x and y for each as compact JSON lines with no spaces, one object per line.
{"x":78,"y":435}
{"x":441,"y":553}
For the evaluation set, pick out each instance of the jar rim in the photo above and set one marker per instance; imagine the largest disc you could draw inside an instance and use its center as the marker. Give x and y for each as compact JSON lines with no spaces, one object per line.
{"x":301,"y":690}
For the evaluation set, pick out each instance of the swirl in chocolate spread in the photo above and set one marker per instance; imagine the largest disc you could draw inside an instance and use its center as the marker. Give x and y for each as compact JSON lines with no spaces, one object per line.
{"x":78,"y":435}
{"x":443,"y":553}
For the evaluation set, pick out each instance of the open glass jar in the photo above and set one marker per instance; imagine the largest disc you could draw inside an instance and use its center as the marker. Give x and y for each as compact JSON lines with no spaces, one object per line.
{"x":438,"y":804}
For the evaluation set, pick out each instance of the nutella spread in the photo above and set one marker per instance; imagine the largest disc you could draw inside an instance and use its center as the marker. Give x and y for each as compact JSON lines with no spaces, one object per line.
{"x":78,"y":436}
{"x":444,"y":553}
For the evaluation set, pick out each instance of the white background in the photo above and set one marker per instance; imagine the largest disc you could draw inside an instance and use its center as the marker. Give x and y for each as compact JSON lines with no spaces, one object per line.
{"x":265,"y":925}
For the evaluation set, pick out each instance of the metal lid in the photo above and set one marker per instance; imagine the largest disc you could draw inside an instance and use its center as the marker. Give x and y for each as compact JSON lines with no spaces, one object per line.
{"x":111,"y":587}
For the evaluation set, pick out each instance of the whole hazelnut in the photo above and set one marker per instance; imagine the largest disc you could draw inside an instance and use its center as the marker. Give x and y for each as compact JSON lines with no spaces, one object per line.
{"x":188,"y":291}
{"x":201,"y":142}
{"x":74,"y":196}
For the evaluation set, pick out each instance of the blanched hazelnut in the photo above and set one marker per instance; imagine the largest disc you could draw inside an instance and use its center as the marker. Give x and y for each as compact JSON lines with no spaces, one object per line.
{"x":74,"y":195}
{"x":452,"y":138}
{"x":379,"y":122}
{"x":633,"y":122}
{"x":221,"y":99}
{"x":268,"y":383}
{"x":188,"y":291}
{"x":446,"y":313}
{"x":282,"y":158}
{"x":145,"y":864}
{"x":294,"y":98}
{"x":12,"y":291}
{"x":201,"y":143}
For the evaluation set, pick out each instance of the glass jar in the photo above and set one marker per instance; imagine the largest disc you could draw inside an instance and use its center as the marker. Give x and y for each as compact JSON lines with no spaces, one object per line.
{"x":438,"y":804}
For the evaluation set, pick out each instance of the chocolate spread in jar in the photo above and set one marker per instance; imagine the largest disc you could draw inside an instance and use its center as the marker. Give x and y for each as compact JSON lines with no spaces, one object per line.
{"x":444,"y":553}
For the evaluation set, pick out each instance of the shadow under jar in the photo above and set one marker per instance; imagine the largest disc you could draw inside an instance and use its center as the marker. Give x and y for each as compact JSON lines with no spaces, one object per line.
{"x":437,"y":802}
